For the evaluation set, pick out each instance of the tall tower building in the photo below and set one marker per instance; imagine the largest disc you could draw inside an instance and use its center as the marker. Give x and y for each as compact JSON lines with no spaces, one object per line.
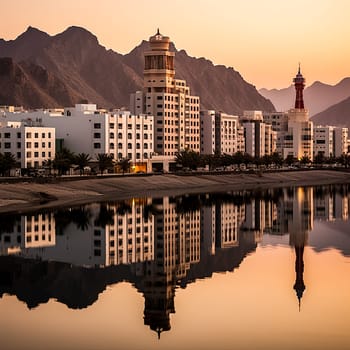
{"x":299,"y":84}
{"x":175,"y":110}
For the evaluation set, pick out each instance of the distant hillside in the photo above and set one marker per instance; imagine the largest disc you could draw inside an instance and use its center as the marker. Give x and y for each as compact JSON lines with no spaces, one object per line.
{"x":318,"y":96}
{"x":338,"y":114}
{"x":30,"y":85}
{"x":89,"y":71}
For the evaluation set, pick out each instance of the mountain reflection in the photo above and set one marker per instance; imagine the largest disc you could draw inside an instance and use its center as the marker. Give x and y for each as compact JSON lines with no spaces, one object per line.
{"x":155,"y":244}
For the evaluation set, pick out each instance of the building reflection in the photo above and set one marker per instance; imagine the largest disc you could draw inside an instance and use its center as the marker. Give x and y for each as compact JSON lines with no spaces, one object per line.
{"x":156,"y":244}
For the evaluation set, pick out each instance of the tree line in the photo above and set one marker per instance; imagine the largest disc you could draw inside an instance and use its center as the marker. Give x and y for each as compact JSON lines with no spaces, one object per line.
{"x":65,"y":160}
{"x":191,"y":160}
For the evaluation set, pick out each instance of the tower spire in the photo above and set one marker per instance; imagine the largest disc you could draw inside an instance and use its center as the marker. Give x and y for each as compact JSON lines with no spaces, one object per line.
{"x":299,"y":84}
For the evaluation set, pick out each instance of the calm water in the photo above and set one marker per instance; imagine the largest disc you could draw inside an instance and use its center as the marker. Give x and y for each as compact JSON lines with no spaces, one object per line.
{"x":262,"y":270}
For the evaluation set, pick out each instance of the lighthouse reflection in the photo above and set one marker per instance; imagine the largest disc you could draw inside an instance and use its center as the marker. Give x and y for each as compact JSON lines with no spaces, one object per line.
{"x":73,"y":254}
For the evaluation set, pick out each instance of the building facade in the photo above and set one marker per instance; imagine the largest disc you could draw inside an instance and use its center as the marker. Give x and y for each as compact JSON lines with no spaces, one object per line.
{"x":85,"y":129}
{"x":220,"y":133}
{"x":260,"y":138}
{"x":175,"y":110}
{"x":31,"y":143}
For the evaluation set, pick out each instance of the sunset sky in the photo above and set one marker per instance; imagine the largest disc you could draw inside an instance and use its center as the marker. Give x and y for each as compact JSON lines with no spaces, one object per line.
{"x":262,"y":39}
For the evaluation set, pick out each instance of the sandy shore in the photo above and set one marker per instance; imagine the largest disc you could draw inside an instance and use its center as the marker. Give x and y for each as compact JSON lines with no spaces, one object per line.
{"x":25,"y":196}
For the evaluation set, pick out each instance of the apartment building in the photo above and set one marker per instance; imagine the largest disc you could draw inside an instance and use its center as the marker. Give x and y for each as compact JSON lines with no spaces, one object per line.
{"x":30,"y":142}
{"x":85,"y":129}
{"x":221,"y":133}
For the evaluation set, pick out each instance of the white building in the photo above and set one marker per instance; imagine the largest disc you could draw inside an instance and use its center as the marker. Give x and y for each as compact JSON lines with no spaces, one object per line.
{"x":31,"y":231}
{"x":341,"y":141}
{"x":220,"y":132}
{"x":175,"y":110}
{"x":31,"y":143}
{"x":279,"y":124}
{"x":324,"y":141}
{"x":298,"y":141}
{"x":84,"y":129}
{"x":260,"y":138}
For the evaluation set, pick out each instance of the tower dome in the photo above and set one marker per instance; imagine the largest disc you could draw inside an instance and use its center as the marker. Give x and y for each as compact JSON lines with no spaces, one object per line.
{"x":159,"y":42}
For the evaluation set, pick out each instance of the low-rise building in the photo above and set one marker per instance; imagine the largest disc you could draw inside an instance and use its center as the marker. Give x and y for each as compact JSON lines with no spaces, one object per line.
{"x":31,"y":143}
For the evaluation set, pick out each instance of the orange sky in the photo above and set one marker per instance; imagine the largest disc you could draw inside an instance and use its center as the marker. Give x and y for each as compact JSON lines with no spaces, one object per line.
{"x":263,"y":39}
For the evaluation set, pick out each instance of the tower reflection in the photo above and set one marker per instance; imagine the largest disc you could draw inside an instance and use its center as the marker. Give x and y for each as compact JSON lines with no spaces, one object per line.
{"x":155,"y":244}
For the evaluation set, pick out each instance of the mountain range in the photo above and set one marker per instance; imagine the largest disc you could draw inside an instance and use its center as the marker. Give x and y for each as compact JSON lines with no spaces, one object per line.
{"x":39,"y":70}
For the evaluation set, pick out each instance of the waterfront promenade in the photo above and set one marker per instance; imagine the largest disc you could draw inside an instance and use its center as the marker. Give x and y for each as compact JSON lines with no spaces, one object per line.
{"x":27,"y":196}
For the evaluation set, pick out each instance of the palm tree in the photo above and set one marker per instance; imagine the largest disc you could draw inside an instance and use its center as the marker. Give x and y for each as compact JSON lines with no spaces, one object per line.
{"x":82,"y":160}
{"x":7,"y":162}
{"x":48,"y":163}
{"x":124,"y":165}
{"x":105,"y":161}
{"x":305,"y":160}
{"x":188,"y":159}
{"x":63,"y":160}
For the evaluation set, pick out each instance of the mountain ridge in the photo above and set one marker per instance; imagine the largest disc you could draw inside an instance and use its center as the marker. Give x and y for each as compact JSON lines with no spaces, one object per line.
{"x":105,"y":77}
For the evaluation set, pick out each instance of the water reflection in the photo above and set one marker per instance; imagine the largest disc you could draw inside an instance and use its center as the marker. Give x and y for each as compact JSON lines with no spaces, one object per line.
{"x":155,"y":244}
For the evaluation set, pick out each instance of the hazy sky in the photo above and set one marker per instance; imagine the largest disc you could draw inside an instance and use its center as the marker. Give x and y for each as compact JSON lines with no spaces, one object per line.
{"x":262,"y":39}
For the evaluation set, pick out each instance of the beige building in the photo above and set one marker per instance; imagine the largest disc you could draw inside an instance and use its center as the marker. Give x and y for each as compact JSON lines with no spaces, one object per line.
{"x":260,"y":138}
{"x":175,"y":110}
{"x":221,"y":133}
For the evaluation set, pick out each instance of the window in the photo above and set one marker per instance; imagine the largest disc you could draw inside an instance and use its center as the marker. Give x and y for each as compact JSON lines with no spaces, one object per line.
{"x":19,"y":135}
{"x":49,"y":135}
{"x":7,"y":145}
{"x":129,"y":146}
{"x":111,"y":125}
{"x":28,"y":135}
{"x":111,"y":135}
{"x":36,"y":144}
{"x":43,"y":135}
{"x":129,"y":136}
{"x":7,"y":135}
{"x":36,"y":154}
{"x":18,"y":145}
{"x":129,"y":126}
{"x":43,"y":144}
{"x":97,"y":125}
{"x":29,"y":154}
{"x":19,"y":155}
{"x":43,"y":154}
{"x":120,"y":145}
{"x":138,"y":156}
{"x":120,"y":135}
{"x":36,"y":135}
{"x":111,"y":145}
{"x":97,"y":145}
{"x":97,"y":135}
{"x":120,"y":126}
